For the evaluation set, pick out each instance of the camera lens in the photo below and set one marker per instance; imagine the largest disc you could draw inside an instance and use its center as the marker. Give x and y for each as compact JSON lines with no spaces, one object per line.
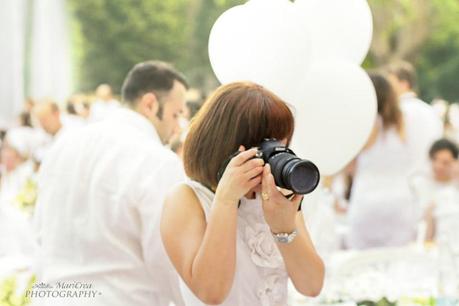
{"x":301,"y":175}
{"x":290,"y":172}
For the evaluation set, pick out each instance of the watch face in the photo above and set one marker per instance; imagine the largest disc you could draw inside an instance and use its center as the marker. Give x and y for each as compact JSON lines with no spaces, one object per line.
{"x":283,"y":239}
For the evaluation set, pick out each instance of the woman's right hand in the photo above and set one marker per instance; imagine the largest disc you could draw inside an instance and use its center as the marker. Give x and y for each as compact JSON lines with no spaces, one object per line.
{"x":241,"y":175}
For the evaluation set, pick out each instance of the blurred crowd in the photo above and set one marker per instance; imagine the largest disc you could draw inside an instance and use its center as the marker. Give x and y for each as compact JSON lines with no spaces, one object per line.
{"x":403,"y":187}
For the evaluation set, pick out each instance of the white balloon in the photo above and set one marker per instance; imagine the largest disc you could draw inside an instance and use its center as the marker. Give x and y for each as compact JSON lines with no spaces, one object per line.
{"x":265,"y":3}
{"x":262,"y":42}
{"x":339,"y":28}
{"x":337,"y":114}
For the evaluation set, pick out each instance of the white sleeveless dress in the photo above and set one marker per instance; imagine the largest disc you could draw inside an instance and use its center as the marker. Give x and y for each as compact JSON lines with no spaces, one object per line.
{"x":261,"y":278}
{"x":382,"y":212}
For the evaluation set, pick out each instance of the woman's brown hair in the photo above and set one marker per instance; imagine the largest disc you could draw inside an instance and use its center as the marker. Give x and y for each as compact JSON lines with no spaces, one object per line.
{"x":236,"y":114}
{"x":388,"y":103}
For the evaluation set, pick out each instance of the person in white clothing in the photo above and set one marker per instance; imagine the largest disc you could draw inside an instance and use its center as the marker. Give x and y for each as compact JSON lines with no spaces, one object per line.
{"x":48,"y":116}
{"x":15,"y":167}
{"x":223,"y":236}
{"x":71,"y":119}
{"x":423,"y":124}
{"x":437,"y":192}
{"x":52,"y":121}
{"x":16,"y":170}
{"x":381,"y":211}
{"x":104,"y":105}
{"x":101,"y":191}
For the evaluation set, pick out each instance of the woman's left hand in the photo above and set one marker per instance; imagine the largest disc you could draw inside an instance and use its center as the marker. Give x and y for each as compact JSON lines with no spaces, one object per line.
{"x":280,"y":213}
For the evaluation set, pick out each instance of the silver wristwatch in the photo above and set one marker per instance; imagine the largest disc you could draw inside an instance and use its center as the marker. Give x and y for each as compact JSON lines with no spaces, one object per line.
{"x":285,"y":237}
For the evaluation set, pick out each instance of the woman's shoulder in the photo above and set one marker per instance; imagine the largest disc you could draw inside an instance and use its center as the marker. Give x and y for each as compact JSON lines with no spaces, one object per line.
{"x":190,"y":195}
{"x":181,"y":193}
{"x":181,"y":202}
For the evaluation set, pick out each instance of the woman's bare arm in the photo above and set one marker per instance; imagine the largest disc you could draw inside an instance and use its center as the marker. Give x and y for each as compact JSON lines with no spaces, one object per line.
{"x":203,"y":255}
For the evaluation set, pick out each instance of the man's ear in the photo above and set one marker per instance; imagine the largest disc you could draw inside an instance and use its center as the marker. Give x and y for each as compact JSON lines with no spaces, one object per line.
{"x":405,"y":85}
{"x":148,"y":105}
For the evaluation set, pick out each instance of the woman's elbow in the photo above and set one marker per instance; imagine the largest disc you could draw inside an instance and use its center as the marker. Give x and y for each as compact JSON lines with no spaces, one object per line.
{"x":211,"y":294}
{"x":212,"y":298}
{"x":312,"y":289}
{"x":315,"y":284}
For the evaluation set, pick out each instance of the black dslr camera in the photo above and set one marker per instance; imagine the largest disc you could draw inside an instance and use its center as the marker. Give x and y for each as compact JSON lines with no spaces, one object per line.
{"x":290,"y":172}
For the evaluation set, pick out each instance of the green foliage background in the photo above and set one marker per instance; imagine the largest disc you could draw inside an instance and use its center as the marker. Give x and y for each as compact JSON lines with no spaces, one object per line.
{"x":438,"y":59}
{"x":110,"y":36}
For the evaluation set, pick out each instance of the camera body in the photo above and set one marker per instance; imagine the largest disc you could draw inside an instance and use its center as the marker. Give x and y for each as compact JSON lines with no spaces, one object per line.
{"x":289,"y":171}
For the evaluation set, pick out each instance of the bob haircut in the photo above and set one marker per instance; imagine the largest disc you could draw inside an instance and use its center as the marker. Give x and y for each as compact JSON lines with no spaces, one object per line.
{"x":241,"y":113}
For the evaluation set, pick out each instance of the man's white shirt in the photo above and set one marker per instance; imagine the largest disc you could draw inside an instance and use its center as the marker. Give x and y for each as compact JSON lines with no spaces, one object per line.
{"x":423,"y":128}
{"x":101,"y":192}
{"x":101,"y":110}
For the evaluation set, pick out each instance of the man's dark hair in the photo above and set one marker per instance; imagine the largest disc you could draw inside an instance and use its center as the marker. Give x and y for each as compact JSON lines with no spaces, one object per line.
{"x":70,"y":108}
{"x":152,"y":76}
{"x":404,"y":71}
{"x":444,"y":144}
{"x":2,"y":136}
{"x":25,"y":119}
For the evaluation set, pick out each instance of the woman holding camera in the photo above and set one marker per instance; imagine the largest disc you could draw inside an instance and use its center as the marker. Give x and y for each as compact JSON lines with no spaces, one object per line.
{"x":237,"y":240}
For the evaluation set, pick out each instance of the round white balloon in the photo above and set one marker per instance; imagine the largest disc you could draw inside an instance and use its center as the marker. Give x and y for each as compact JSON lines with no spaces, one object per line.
{"x":262,"y":42}
{"x":337,"y":114}
{"x":339,"y":28}
{"x":265,"y":3}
